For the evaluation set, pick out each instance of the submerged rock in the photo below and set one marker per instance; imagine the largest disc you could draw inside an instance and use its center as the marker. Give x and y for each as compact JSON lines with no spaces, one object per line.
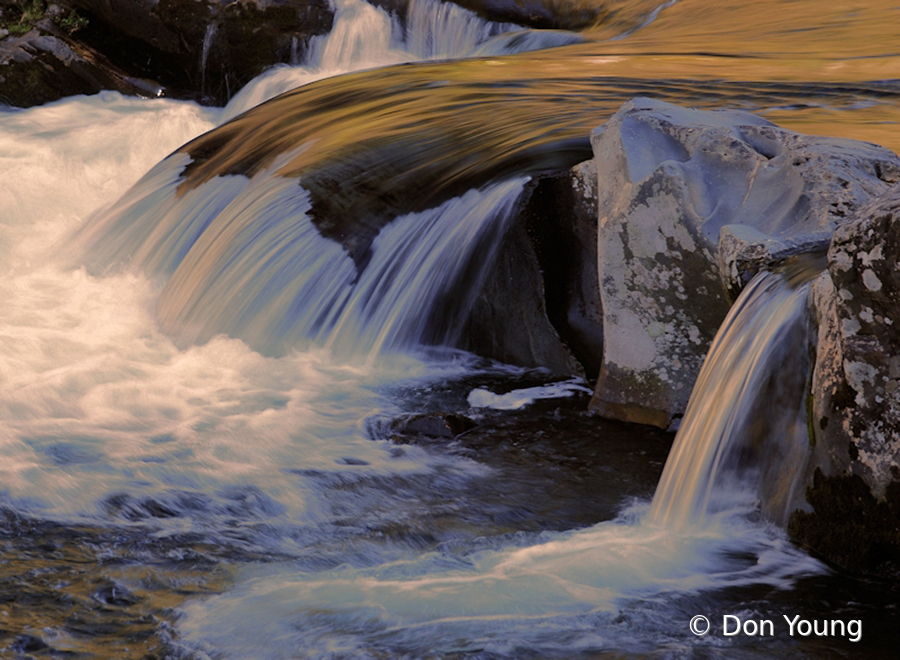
{"x":671,"y":182}
{"x":434,"y":425}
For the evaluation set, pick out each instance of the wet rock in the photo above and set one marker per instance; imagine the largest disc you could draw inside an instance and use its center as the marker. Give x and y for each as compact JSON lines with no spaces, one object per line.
{"x":435,"y":425}
{"x":540,"y":303}
{"x":29,"y":644}
{"x":744,"y":251}
{"x":671,"y":181}
{"x":850,"y":526}
{"x":115,"y":594}
{"x":198,"y":49}
{"x":39,"y":67}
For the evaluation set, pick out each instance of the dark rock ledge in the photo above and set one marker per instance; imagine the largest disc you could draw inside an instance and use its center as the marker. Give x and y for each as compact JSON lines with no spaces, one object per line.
{"x":204,"y":50}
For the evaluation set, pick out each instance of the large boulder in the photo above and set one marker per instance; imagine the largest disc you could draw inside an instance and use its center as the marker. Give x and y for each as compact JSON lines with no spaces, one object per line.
{"x":855,"y":406}
{"x":671,"y":181}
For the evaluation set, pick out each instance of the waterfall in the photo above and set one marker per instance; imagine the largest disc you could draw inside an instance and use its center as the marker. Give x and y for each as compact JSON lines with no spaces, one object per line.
{"x":364,"y":36}
{"x":746,"y":411}
{"x":442,"y":29}
{"x":359,"y":38}
{"x":208,"y":37}
{"x":295,"y":51}
{"x":246,"y":260}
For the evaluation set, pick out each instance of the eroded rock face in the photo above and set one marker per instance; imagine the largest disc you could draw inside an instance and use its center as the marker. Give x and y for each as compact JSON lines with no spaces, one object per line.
{"x":540,"y":304}
{"x":670,"y":182}
{"x":856,"y":384}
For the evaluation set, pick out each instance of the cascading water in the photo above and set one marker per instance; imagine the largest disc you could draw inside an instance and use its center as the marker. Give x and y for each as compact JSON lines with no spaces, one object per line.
{"x":248,"y":505}
{"x":747,"y":399}
{"x":364,"y":36}
{"x":244,"y":258}
{"x":208,"y":36}
{"x":504,"y":601}
{"x":442,"y":30}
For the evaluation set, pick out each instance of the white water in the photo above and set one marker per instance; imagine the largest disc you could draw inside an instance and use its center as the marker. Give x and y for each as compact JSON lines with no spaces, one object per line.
{"x":517,"y":399}
{"x":608,"y":587}
{"x":100,"y":412}
{"x":564,"y":594}
{"x":365,"y":37}
{"x":243,"y":258}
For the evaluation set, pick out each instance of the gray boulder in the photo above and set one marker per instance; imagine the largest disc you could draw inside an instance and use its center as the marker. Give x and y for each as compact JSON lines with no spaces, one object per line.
{"x":856,"y":383}
{"x":854,"y":485}
{"x":671,"y":181}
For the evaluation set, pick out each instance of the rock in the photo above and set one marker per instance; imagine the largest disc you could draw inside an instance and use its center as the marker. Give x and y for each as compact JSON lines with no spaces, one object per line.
{"x":540,"y":304}
{"x":562,"y":216}
{"x":508,"y":321}
{"x":670,"y":182}
{"x":849,"y":526}
{"x":38,"y":67}
{"x":744,"y":251}
{"x":434,"y":425}
{"x":198,"y":49}
{"x":856,"y":383}
{"x":855,"y":406}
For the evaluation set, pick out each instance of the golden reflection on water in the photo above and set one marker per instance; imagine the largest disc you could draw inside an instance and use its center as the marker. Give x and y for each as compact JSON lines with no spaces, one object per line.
{"x":806,"y":65}
{"x":85,"y":594}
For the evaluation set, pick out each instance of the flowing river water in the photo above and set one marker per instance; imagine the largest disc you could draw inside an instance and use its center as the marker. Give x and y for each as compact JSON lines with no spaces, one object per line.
{"x":196,"y":394}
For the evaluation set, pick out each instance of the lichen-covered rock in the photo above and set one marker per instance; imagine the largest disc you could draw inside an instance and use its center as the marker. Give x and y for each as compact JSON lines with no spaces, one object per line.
{"x":856,"y":383}
{"x":670,"y":181}
{"x":744,"y":251}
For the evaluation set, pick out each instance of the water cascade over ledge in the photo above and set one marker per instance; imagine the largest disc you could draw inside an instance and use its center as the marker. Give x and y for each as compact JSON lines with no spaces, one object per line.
{"x":235,"y":421}
{"x":745,"y":425}
{"x":744,"y":434}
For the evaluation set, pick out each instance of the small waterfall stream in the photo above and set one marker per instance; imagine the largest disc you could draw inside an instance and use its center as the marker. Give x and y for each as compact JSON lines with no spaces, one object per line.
{"x":364,"y":36}
{"x":208,"y":38}
{"x":746,"y":399}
